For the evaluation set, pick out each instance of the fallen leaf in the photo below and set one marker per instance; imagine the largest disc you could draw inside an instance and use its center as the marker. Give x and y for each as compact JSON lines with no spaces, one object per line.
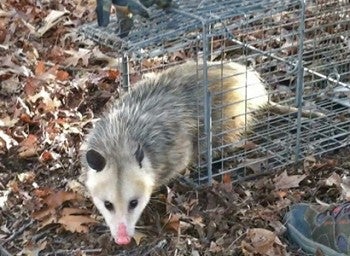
{"x":56,"y":199}
{"x":46,"y":156}
{"x":62,"y":75}
{"x":40,"y":68}
{"x":113,"y":74}
{"x":6,"y":141}
{"x":138,"y":237}
{"x":10,"y":86}
{"x":3,"y":198}
{"x":33,"y":248}
{"x":51,"y":20}
{"x":214,"y":248}
{"x":28,"y":147}
{"x":81,"y":54}
{"x":47,"y":103}
{"x":309,"y":162}
{"x":249,"y":145}
{"x":74,"y":220}
{"x":345,"y":188}
{"x":26,"y":177}
{"x":227,"y":182}
{"x":42,"y":192}
{"x":173,"y":223}
{"x":7,"y":121}
{"x":257,"y":165}
{"x":46,"y":215}
{"x":283,"y":181}
{"x":281,"y":194}
{"x":263,"y":242}
{"x":98,"y":55}
{"x":334,"y":179}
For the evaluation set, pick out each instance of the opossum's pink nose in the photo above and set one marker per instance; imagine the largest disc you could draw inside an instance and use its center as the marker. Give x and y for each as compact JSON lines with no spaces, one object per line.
{"x":122,"y":236}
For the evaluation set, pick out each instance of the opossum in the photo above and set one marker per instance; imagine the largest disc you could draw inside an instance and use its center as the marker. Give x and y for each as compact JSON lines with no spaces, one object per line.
{"x":150,"y":135}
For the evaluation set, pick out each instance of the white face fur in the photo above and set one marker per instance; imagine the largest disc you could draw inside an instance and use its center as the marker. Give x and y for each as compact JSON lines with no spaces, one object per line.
{"x":120,"y":195}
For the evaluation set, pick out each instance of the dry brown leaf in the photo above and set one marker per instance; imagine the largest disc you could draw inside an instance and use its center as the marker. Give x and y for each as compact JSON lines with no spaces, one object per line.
{"x":227,"y":182}
{"x":255,"y":164}
{"x":8,"y":121}
{"x":10,"y":86}
{"x":75,"y":220}
{"x":42,"y":192}
{"x":26,"y":177}
{"x":13,"y":68}
{"x":281,"y":194}
{"x":262,"y":241}
{"x":46,"y":156}
{"x":47,"y":103}
{"x":40,"y":68}
{"x":74,"y":211}
{"x":56,"y":199}
{"x":334,"y":179}
{"x":6,"y":141}
{"x":113,"y":74}
{"x":51,"y":20}
{"x":62,"y":75}
{"x":283,"y":181}
{"x":98,"y":55}
{"x":345,"y":188}
{"x":3,"y":198}
{"x":138,"y":237}
{"x":33,"y":249}
{"x":48,"y":215}
{"x":28,"y":147}
{"x":249,"y":145}
{"x":309,"y":162}
{"x":26,"y":118}
{"x":177,"y":56}
{"x":30,"y":141}
{"x":27,"y":152}
{"x":81,"y":54}
{"x":214,"y":248}
{"x":173,"y":223}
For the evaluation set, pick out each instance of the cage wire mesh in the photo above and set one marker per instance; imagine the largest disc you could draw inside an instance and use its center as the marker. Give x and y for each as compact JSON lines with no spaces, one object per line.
{"x":300,"y":49}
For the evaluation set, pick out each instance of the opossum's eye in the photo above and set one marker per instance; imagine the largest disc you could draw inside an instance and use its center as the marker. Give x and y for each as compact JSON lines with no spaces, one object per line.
{"x":133,"y":204}
{"x":139,"y":155}
{"x":109,"y":205}
{"x":95,"y":160}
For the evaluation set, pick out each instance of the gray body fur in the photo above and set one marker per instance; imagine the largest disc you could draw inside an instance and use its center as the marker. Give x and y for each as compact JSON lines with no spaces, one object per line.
{"x":161,"y":114}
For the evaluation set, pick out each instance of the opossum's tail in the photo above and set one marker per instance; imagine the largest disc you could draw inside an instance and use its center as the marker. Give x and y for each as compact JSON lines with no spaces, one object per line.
{"x":289,"y":110}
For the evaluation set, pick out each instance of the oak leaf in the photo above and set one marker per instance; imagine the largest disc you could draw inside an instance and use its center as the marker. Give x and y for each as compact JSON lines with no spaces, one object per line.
{"x":75,"y":220}
{"x":284,"y":181}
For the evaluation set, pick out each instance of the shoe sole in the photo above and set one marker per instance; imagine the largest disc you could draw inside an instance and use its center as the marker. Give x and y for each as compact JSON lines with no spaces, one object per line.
{"x":309,"y":245}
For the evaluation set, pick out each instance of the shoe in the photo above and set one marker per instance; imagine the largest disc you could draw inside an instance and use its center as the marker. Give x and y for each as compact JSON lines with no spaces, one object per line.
{"x":320,"y":227}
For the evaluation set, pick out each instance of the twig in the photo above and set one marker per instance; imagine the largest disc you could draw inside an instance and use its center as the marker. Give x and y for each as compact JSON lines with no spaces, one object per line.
{"x":65,"y":252}
{"x":18,"y":232}
{"x":4,"y":252}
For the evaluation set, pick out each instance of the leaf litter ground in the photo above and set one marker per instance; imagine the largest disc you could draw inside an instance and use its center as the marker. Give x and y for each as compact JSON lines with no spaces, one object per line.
{"x":52,"y":88}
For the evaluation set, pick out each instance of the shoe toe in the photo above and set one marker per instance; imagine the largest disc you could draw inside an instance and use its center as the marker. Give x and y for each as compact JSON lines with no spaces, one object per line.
{"x":296,"y":218}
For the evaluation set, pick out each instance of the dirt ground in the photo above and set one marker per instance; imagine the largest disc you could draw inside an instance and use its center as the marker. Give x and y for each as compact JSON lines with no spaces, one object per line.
{"x":51,"y":87}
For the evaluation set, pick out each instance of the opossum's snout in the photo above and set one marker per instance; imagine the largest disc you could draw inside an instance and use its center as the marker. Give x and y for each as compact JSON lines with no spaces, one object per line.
{"x":121,"y":187}
{"x":122,"y":237}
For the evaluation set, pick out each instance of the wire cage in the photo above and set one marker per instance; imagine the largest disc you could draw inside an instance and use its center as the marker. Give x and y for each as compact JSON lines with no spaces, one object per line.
{"x":300,"y":49}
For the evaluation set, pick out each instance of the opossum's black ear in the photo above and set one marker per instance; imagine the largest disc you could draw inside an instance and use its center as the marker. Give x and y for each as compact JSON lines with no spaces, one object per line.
{"x":139,"y":154}
{"x":95,"y":160}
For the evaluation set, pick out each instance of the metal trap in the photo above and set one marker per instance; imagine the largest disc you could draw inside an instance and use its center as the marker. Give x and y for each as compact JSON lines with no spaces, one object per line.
{"x":301,"y":50}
